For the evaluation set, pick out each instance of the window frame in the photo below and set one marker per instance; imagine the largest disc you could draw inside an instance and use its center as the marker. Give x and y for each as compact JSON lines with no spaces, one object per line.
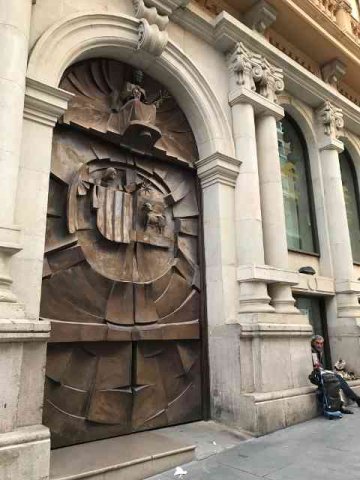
{"x":355,"y":180}
{"x":310,"y":190}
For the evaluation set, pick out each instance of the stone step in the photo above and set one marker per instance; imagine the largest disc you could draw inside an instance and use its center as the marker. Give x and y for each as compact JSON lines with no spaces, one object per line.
{"x":131,"y":457}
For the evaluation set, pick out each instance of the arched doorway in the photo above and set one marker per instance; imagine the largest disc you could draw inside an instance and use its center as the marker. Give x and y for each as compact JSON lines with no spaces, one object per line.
{"x":122,"y":282}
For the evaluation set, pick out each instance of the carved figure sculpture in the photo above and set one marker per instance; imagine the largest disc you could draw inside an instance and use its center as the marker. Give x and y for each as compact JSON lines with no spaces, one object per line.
{"x":158,"y":220}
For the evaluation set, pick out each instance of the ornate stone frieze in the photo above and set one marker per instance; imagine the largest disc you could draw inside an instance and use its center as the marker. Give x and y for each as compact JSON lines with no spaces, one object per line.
{"x":333,"y":72}
{"x":255,"y":72}
{"x":332,"y":120}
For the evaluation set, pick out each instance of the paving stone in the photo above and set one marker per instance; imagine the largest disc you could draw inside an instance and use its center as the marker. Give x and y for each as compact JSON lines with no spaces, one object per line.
{"x":318,"y":450}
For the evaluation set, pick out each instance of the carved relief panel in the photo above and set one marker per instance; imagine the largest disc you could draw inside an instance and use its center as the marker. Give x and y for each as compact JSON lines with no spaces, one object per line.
{"x":121,"y":280}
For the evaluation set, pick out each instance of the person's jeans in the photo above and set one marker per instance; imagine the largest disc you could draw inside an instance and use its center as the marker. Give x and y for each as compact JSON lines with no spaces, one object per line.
{"x":346,"y":389}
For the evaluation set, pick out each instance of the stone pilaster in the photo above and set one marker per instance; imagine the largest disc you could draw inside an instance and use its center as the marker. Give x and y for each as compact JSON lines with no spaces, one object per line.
{"x":218,"y":174}
{"x":24,"y":442}
{"x":14,"y":35}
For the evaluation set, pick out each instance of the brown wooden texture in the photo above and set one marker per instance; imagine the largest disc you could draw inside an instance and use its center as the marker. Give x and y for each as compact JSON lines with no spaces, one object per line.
{"x":121,"y":278}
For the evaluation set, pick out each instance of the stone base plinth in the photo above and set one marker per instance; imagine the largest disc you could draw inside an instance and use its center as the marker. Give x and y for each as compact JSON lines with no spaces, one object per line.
{"x":259,"y":373}
{"x":131,"y":457}
{"x":266,"y":412}
{"x":25,"y":454}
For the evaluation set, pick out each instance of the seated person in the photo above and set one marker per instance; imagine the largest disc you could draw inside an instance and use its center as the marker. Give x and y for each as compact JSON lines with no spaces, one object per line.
{"x":317,"y":348}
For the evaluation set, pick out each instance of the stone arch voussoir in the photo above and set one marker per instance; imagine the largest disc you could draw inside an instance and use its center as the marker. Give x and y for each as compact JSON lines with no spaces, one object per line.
{"x":88,"y":35}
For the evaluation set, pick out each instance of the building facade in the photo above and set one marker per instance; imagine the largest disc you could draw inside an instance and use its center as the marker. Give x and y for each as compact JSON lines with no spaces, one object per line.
{"x":180,"y":212}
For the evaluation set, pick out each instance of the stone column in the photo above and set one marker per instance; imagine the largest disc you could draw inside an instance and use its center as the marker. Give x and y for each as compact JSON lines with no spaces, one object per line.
{"x":271,"y":193}
{"x":14,"y":35}
{"x":243,"y":100}
{"x":330,"y":126}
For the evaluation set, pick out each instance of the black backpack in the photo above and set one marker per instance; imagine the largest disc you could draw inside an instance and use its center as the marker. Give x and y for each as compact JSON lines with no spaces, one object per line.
{"x":330,"y":389}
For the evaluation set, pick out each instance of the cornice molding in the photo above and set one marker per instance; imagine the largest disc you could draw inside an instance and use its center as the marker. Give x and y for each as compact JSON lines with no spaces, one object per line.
{"x":261,"y":105}
{"x":44,"y":104}
{"x":218,"y":169}
{"x":225,"y":31}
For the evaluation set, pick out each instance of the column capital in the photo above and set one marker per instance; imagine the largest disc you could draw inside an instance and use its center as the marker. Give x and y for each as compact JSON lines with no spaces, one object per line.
{"x":44,"y":104}
{"x":261,"y":105}
{"x":254,"y":76}
{"x":218,"y":168}
{"x":343,"y":5}
{"x":330,"y":126}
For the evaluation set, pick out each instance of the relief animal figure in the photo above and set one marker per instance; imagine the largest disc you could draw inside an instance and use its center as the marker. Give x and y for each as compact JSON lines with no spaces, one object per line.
{"x":153,"y":218}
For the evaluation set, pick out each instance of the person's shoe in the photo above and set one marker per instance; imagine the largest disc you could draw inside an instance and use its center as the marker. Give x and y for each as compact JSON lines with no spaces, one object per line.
{"x":346,"y":411}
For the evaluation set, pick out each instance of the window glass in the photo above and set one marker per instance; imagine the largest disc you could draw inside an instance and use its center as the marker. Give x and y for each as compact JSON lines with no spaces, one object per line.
{"x":295,"y":182}
{"x":349,"y":181}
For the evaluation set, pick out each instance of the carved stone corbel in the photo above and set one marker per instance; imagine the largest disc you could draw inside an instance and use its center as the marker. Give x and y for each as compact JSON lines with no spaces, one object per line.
{"x":260,"y":17}
{"x":152,"y":29}
{"x":167,"y":7}
{"x":154,"y":19}
{"x":151,"y":38}
{"x":333,"y":72}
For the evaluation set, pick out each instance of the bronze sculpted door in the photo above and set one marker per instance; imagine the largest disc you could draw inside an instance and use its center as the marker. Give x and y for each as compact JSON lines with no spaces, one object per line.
{"x":122,"y":277}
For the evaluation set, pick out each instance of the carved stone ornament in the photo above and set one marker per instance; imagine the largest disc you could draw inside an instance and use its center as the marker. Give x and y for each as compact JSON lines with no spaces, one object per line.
{"x":152,"y":29}
{"x":332,"y":119}
{"x":261,"y":16}
{"x":333,"y":72}
{"x":344,"y":5}
{"x":256,"y":73}
{"x":120,"y":103}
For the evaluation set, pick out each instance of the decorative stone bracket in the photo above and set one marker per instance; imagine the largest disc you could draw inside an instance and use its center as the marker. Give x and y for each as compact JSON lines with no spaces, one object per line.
{"x":333,"y":72}
{"x":218,"y":168}
{"x":255,"y":72}
{"x":261,"y":16}
{"x":154,"y":18}
{"x":331,"y":126}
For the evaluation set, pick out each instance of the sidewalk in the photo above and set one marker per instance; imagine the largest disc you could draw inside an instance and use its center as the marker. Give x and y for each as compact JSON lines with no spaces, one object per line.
{"x":320,"y":449}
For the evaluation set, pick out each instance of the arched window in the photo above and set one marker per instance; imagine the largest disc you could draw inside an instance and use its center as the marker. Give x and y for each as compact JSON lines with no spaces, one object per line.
{"x":351,"y":195}
{"x":296,"y":181}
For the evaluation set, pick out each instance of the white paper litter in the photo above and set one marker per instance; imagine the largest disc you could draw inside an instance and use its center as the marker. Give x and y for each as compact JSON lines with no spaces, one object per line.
{"x":179,"y":472}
